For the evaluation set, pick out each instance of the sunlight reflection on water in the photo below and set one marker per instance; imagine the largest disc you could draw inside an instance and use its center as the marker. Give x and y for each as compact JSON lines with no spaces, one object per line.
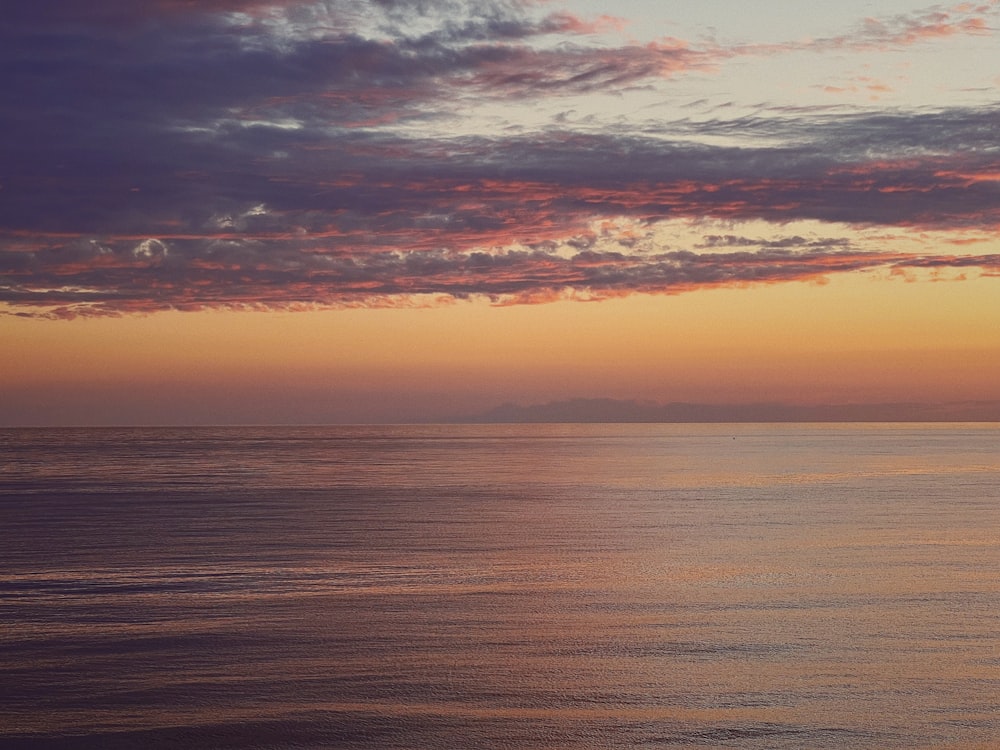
{"x":760,"y":586}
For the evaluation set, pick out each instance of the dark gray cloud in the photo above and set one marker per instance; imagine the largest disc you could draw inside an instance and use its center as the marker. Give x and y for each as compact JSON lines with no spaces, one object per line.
{"x":170,"y":154}
{"x":94,"y":279}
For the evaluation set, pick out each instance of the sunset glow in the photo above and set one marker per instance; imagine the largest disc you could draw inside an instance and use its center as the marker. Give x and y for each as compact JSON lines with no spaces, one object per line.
{"x":249,"y":211}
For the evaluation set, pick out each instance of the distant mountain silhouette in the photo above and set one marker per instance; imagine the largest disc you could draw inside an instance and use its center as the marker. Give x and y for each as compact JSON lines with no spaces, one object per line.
{"x":612,"y":410}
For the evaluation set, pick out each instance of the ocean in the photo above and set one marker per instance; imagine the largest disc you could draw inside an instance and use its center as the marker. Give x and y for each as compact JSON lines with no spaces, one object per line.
{"x":501,"y":586}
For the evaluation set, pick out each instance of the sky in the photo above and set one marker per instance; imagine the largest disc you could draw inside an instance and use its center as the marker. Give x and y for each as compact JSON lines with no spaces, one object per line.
{"x":233,"y":211}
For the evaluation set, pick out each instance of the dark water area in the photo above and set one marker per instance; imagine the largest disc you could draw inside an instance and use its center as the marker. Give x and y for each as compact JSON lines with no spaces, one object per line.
{"x":506,"y":586}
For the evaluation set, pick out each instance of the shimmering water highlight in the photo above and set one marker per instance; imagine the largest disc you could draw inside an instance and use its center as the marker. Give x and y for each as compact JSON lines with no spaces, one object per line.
{"x":542,"y":586}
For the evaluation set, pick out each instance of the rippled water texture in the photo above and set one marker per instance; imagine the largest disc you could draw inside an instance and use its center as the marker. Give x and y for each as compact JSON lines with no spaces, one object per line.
{"x":603,"y":586}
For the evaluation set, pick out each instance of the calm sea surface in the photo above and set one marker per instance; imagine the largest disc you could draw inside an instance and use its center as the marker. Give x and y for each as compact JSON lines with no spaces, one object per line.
{"x":542,"y":586}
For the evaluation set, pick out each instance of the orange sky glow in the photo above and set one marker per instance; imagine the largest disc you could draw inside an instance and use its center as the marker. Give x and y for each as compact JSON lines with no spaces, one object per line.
{"x":529,"y":203}
{"x":852,"y":340}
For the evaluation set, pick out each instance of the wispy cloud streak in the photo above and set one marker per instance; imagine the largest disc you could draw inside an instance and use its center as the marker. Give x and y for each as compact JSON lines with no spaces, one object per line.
{"x":89,"y":281}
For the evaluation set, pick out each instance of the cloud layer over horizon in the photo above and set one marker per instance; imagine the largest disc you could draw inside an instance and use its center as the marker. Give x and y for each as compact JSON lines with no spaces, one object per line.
{"x":279,"y":155}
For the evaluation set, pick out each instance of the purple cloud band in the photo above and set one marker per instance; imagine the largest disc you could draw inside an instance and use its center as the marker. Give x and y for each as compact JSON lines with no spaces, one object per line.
{"x":153,"y":278}
{"x":231,"y":153}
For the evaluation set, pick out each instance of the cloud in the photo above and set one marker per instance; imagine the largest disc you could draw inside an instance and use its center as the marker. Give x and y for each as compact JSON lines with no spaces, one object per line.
{"x":905,"y":29}
{"x":241,"y":153}
{"x":892,"y":32}
{"x":929,"y":168}
{"x":153,"y":275}
{"x":370,"y":218}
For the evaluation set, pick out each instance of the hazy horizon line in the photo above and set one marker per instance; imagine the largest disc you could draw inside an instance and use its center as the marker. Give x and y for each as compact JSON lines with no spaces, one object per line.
{"x":634,"y":411}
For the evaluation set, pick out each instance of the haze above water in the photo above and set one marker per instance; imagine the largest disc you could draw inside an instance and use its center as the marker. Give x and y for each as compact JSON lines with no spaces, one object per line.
{"x":502,"y":586}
